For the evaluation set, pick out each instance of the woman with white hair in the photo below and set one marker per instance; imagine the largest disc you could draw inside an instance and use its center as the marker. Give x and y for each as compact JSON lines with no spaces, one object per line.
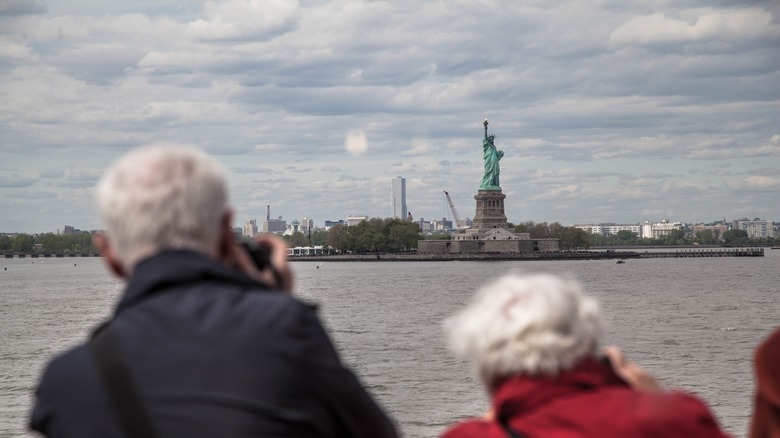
{"x":534,"y":342}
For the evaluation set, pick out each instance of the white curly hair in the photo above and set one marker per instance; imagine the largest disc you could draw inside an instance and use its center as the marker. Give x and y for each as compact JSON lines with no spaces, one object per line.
{"x":537,"y":324}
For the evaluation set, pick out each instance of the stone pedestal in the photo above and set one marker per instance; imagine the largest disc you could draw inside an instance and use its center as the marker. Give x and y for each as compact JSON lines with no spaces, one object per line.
{"x":490,"y":210}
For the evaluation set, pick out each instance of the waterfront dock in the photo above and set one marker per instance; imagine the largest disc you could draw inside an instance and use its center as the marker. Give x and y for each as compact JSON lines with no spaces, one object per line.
{"x":47,"y":255}
{"x":719,"y":252}
{"x":552,"y":255}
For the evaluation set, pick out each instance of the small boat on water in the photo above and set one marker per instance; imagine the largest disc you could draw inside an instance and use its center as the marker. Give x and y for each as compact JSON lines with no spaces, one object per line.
{"x":620,"y":262}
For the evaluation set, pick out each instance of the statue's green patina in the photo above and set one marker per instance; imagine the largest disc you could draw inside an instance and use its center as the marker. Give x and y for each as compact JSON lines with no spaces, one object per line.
{"x":491,"y":155}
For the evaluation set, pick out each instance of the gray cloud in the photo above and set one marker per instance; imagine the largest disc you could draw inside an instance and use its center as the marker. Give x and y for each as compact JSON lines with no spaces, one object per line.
{"x":51,"y":174}
{"x":251,"y":169}
{"x":16,"y":181}
{"x":607,"y":111}
{"x":21,"y":7}
{"x":26,"y":194}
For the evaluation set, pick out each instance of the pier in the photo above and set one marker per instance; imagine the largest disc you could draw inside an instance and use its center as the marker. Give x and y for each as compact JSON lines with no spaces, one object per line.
{"x":551,"y":255}
{"x":47,"y":255}
{"x":719,"y":252}
{"x":542,"y":255}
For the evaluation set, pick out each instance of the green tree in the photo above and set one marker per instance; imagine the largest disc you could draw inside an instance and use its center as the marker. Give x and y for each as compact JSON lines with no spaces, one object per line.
{"x":318,"y":238}
{"x":675,"y":237}
{"x":297,"y":239}
{"x":5,"y":243}
{"x":573,"y":238}
{"x":524,"y":227}
{"x":705,"y":237}
{"x":22,"y":243}
{"x":401,"y":235}
{"x":336,"y":236}
{"x":51,"y":243}
{"x":735,"y":236}
{"x":625,"y":237}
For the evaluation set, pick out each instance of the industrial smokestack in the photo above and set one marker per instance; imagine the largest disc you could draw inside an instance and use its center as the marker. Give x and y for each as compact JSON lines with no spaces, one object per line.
{"x":268,"y":213}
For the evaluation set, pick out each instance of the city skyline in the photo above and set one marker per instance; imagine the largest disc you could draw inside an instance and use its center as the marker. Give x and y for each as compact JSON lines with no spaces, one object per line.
{"x":71,"y":229}
{"x":608,"y":110}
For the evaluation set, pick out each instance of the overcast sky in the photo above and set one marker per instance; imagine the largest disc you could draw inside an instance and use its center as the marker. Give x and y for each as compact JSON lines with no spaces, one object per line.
{"x":607,"y":111}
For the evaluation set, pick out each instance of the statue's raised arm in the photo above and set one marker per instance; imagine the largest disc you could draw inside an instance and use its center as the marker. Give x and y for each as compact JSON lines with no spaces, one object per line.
{"x":491,"y":155}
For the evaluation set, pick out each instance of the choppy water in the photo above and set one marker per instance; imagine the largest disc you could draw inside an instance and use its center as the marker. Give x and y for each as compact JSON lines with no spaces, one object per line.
{"x":692,"y":322}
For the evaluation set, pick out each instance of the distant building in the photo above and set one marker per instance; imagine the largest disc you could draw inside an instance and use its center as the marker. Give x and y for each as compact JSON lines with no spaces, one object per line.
{"x":250,"y":228}
{"x":426,"y":227}
{"x":442,"y":225}
{"x":398,"y":198}
{"x":277,"y":226}
{"x":664,"y":228}
{"x":755,"y":228}
{"x":608,"y":229}
{"x":307,"y":225}
{"x":647,"y":230}
{"x":354,"y":220}
{"x":294,"y":227}
{"x":330,"y":224}
{"x":305,"y":251}
{"x":69,"y":230}
{"x":717,"y":229}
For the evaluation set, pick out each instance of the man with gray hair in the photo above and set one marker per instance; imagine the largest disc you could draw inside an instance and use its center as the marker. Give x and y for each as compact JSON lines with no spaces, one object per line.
{"x":204,"y":341}
{"x":534,"y":342}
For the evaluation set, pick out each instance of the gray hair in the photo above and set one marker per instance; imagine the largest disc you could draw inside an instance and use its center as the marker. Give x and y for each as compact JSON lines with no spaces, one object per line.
{"x":535,"y":324}
{"x":162,"y":197}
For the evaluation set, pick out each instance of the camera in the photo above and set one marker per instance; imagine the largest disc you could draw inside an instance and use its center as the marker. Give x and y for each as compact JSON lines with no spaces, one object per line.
{"x":259,"y":254}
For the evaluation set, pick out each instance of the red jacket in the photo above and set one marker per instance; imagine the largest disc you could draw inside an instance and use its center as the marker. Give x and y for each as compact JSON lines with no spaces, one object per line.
{"x":766,"y":405}
{"x":589,"y":401}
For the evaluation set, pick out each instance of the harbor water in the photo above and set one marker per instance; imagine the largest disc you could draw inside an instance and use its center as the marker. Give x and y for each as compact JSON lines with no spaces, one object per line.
{"x":692,"y":322}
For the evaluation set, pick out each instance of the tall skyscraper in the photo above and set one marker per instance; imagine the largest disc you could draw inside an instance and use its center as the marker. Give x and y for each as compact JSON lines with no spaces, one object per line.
{"x":398,"y":198}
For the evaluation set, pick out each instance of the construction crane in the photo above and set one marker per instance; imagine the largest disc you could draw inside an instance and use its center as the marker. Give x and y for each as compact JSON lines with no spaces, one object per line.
{"x":458,"y":223}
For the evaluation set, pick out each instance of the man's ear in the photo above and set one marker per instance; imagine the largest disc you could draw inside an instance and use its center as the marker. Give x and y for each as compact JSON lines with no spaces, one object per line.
{"x":104,"y":246}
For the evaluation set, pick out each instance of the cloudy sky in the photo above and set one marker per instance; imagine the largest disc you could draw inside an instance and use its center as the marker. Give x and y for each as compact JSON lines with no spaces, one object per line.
{"x":607,"y":110}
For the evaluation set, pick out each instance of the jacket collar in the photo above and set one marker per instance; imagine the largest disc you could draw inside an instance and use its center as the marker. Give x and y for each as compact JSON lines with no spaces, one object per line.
{"x":521,"y":393}
{"x":173,"y":267}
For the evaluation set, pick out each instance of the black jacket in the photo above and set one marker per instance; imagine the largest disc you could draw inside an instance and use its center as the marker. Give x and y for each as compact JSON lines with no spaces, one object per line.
{"x":212,"y":353}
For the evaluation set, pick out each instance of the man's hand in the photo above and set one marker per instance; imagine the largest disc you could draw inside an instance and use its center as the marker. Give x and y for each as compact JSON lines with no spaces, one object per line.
{"x":276,"y":275}
{"x":631,"y":373}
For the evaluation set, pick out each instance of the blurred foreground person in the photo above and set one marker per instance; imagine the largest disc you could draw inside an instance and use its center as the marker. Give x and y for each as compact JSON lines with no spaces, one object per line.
{"x":533,"y":340}
{"x":203,"y":342}
{"x":766,"y":403}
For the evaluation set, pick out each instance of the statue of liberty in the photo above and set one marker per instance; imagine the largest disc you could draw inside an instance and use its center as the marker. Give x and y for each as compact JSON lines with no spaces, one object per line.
{"x":492,"y":156}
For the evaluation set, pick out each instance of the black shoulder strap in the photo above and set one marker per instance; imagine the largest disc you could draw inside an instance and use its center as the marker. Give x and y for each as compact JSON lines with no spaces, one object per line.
{"x":117,"y":380}
{"x":509,"y":431}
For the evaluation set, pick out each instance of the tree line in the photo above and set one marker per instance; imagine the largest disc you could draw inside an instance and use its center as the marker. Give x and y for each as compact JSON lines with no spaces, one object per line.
{"x":373,"y":235}
{"x":575,"y":238}
{"x":396,"y":235}
{"x":49,"y":243}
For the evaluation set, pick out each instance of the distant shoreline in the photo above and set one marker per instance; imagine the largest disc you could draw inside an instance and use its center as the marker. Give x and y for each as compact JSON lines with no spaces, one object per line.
{"x":596,"y":253}
{"x":27,"y":255}
{"x":605,"y":254}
